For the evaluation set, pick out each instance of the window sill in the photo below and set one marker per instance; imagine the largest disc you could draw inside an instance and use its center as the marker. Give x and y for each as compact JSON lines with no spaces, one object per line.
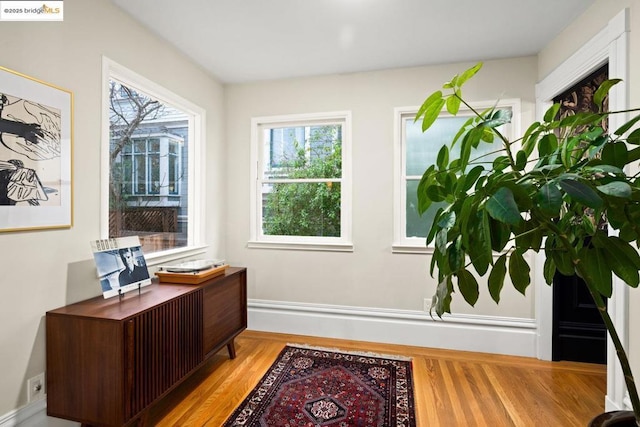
{"x":328,"y":247}
{"x":410,"y":249}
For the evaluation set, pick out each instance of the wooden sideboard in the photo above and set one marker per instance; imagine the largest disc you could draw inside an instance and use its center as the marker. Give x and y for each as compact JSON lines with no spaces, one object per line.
{"x":109,"y":360}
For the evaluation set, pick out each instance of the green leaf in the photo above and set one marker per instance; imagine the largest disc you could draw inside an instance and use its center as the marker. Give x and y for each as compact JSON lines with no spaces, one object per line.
{"x":498,"y":118}
{"x":453,"y":104}
{"x":442,"y":298}
{"x":470,"y":140}
{"x":436,"y":193}
{"x":519,"y":272}
{"x":616,"y":189}
{"x":628,"y":125}
{"x":624,"y":251}
{"x":434,"y":226}
{"x":603,"y":90}
{"x":502,"y":207}
{"x":551,"y":113}
{"x":447,"y":220}
{"x":549,"y":199}
{"x":427,"y":179}
{"x":496,"y":277}
{"x":566,"y":151}
{"x":561,"y":258}
{"x":549,"y":270}
{"x":431,"y":99}
{"x":500,"y":234}
{"x":441,"y":241}
{"x":472,"y":177}
{"x":487,"y":135}
{"x":623,"y":260}
{"x":521,"y":160}
{"x":467,"y":74}
{"x":634,"y":137}
{"x":524,"y":236}
{"x":461,"y":131}
{"x":468,"y":287}
{"x":500,"y":163}
{"x":547,"y":145}
{"x":615,"y":154}
{"x":456,"y":255}
{"x":431,"y":114}
{"x":479,"y":246}
{"x":536,"y":239}
{"x":443,"y":157}
{"x":530,"y":138}
{"x":597,"y":269}
{"x":581,"y":193}
{"x":621,"y":257}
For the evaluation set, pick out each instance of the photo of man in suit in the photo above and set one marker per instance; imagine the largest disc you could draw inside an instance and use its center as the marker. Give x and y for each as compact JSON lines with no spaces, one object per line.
{"x":133,"y":272}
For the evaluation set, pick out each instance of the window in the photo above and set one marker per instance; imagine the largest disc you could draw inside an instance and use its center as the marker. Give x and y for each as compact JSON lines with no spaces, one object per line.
{"x":415,"y":151}
{"x":302,"y":182}
{"x":151,"y":173}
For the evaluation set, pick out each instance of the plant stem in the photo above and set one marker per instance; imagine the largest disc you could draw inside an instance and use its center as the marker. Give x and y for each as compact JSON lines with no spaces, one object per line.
{"x":608,"y":323}
{"x":620,"y":352}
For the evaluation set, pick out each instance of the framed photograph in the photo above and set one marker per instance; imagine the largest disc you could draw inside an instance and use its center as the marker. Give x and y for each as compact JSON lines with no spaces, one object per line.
{"x":121,"y":265}
{"x":36,"y":150}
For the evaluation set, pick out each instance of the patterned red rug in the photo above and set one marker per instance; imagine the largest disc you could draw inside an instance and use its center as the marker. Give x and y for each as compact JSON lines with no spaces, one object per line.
{"x":314,"y":387}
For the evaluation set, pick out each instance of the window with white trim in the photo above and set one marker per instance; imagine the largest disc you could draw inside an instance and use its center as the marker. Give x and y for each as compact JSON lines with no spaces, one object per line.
{"x":301,"y":183}
{"x":150,"y":173}
{"x":415,"y":151}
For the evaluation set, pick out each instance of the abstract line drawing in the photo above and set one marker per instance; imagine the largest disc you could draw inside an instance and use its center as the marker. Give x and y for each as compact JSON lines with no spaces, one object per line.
{"x":30,"y":130}
{"x":35,"y":153}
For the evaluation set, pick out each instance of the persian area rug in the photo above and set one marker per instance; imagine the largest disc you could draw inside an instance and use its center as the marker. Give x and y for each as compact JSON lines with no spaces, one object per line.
{"x":314,"y":387}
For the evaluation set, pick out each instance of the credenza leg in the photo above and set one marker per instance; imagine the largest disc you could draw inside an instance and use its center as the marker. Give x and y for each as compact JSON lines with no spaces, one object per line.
{"x":232,"y":349}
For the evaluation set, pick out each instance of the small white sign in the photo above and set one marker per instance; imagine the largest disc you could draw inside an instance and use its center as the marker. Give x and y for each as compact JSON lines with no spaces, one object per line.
{"x":31,"y":11}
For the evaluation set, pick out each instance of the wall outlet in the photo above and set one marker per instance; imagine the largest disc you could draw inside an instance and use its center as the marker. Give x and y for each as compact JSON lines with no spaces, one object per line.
{"x":427,"y":304}
{"x":35,"y":388}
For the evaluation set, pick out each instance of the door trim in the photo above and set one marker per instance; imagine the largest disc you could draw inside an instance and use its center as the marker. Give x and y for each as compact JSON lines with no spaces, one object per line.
{"x":610,"y":44}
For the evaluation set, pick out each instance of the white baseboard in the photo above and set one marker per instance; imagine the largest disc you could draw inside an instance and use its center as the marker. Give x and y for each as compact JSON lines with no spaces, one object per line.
{"x":486,"y":334}
{"x":18,"y":417}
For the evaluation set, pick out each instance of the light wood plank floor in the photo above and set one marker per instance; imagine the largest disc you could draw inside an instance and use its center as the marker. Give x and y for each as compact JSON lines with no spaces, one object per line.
{"x":452,"y":388}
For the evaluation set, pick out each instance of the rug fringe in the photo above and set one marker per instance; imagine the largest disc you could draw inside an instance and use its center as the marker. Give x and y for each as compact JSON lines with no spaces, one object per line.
{"x":353,"y":352}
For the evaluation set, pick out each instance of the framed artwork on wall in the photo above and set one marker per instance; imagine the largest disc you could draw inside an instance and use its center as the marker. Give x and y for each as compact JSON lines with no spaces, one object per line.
{"x":36,"y":153}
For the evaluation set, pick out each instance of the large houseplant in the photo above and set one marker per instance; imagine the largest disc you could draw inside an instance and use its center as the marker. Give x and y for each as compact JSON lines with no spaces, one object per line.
{"x":550,"y":190}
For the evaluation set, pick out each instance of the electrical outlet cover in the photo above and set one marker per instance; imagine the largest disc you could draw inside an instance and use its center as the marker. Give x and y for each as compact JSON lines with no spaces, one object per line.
{"x":35,"y":388}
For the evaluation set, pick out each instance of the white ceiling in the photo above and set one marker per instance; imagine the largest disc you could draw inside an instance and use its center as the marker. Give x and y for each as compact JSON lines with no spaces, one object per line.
{"x":249,"y":40}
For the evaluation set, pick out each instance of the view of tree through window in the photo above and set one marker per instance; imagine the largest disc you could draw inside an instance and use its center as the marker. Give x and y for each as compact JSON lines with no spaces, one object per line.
{"x":301,"y":187}
{"x":148,"y":185}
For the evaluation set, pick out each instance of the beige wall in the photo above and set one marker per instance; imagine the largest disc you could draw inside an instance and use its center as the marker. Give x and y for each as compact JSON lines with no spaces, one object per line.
{"x":42,"y":270}
{"x":371,"y":276}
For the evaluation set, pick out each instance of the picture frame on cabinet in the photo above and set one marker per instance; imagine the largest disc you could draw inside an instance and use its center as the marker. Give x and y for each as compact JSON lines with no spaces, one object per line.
{"x":120,"y":264}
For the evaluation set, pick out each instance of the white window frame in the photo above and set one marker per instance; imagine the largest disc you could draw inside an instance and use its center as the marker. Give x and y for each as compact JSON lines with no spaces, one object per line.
{"x":402,"y":243}
{"x":258,"y":239}
{"x":196,"y":159}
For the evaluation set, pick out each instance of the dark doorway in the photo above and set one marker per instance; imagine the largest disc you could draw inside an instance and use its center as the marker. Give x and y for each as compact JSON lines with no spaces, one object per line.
{"x":578,"y":331}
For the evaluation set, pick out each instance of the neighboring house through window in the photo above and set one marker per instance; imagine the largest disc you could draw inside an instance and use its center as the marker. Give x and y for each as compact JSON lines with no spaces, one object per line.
{"x":302,"y":182}
{"x":152,"y":173}
{"x":415,"y":151}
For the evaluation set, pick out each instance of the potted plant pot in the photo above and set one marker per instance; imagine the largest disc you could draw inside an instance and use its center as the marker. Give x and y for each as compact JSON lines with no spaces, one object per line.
{"x":614,"y":419}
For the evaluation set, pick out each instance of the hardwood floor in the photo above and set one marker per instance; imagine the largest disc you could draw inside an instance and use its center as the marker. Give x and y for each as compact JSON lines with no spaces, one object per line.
{"x":452,"y":388}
